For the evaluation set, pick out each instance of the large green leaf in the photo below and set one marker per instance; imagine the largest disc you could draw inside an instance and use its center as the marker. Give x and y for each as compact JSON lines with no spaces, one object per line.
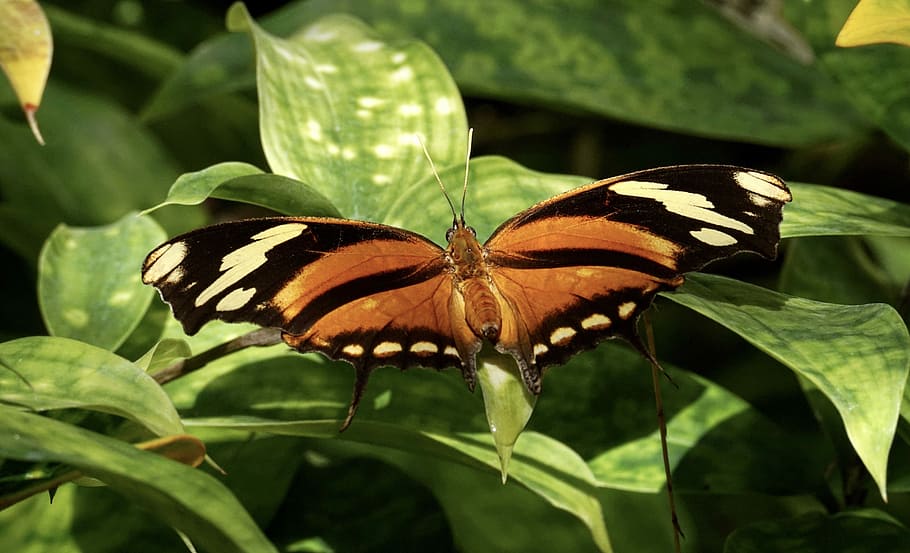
{"x":635,"y":61}
{"x":187,"y":499}
{"x":867,"y":530}
{"x":857,"y":355}
{"x":44,"y":373}
{"x":823,"y":210}
{"x":87,"y":174}
{"x":420,"y":412}
{"x":88,"y":280}
{"x":497,"y":189}
{"x":340,"y":110}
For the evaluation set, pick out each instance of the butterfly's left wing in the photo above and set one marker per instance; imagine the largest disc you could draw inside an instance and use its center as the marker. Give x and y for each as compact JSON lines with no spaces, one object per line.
{"x":582,"y":266}
{"x":361,"y":292}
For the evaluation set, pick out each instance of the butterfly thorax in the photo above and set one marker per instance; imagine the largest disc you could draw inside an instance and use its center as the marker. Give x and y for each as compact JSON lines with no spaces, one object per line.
{"x":471,"y":279}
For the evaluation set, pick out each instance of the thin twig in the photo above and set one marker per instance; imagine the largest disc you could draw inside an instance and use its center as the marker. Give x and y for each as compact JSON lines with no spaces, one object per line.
{"x":662,"y":426}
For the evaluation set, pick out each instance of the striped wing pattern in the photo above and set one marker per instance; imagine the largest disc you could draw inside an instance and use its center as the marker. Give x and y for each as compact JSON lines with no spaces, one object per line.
{"x":582,"y":266}
{"x":567,"y":273}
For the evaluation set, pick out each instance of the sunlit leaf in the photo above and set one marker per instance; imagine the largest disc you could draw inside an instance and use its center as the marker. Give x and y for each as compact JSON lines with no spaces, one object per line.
{"x":26,"y":48}
{"x":58,"y":373}
{"x":247,"y":183}
{"x":340,"y":110}
{"x":876,"y":21}
{"x":857,"y":355}
{"x":103,"y":306}
{"x":186,"y":498}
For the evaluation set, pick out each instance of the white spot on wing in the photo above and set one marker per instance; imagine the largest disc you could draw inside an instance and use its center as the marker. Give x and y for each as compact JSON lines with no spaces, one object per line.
{"x":386,"y":349}
{"x":451,"y":351}
{"x":235,"y":299}
{"x":626,"y":309}
{"x":354,"y":350}
{"x":424,"y":348}
{"x":596,"y":321}
{"x":760,"y":183}
{"x":164,"y":260}
{"x":244,"y":260}
{"x":713,"y":237}
{"x":540,"y":349}
{"x":687,"y":204}
{"x":562,"y":335}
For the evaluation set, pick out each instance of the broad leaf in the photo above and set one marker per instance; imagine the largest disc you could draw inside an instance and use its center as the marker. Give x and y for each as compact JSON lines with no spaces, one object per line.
{"x":652,"y":65}
{"x":44,"y":373}
{"x":857,"y":355}
{"x":246,"y":183}
{"x":341,"y":110}
{"x":822,"y":210}
{"x":867,"y":530}
{"x":88,"y":280}
{"x":187,"y":499}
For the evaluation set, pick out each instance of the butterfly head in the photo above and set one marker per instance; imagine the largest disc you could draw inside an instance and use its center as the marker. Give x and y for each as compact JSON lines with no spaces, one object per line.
{"x":463,"y":245}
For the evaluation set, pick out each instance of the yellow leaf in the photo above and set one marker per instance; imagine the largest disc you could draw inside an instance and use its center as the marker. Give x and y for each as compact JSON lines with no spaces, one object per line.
{"x":25,"y":53}
{"x":876,"y":22}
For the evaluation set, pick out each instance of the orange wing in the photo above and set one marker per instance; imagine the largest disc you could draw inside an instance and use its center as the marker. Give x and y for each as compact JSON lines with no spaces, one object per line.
{"x":582,"y":266}
{"x":365,"y":293}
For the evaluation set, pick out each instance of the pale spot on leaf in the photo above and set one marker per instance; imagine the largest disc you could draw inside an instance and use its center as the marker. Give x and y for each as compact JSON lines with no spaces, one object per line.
{"x":410,"y":110}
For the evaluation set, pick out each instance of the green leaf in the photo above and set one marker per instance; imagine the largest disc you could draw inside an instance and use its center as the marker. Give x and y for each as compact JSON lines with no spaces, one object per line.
{"x":58,"y":373}
{"x":498,"y":188}
{"x":163,"y":354}
{"x":484,"y":515}
{"x":822,"y":210}
{"x":637,"y":465}
{"x":394,"y":414}
{"x":857,"y":355}
{"x":866,"y":530}
{"x":246,"y":183}
{"x":874,"y":80}
{"x":88,"y":174}
{"x":340,"y":109}
{"x":651,"y":65}
{"x":187,"y":499}
{"x":88,"y":280}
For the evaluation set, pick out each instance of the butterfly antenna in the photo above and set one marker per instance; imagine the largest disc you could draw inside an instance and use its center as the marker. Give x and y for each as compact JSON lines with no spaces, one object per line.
{"x":467,"y":165}
{"x":439,"y":180}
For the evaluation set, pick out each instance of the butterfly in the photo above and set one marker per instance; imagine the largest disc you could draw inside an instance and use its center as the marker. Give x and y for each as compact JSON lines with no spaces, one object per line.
{"x":550,"y":282}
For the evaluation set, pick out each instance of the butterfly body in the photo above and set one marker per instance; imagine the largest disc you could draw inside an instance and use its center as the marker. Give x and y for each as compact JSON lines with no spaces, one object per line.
{"x":550,"y":282}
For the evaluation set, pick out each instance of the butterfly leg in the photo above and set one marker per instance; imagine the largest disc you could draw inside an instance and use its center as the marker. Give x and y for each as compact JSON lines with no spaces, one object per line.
{"x":360,"y":384}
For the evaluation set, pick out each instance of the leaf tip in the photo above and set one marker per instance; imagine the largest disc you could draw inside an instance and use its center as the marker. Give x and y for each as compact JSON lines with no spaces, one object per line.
{"x":238,"y":19}
{"x":30,"y":110}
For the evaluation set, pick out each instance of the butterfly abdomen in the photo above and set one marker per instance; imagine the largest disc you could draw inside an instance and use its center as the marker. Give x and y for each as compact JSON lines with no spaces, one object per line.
{"x":482,"y":311}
